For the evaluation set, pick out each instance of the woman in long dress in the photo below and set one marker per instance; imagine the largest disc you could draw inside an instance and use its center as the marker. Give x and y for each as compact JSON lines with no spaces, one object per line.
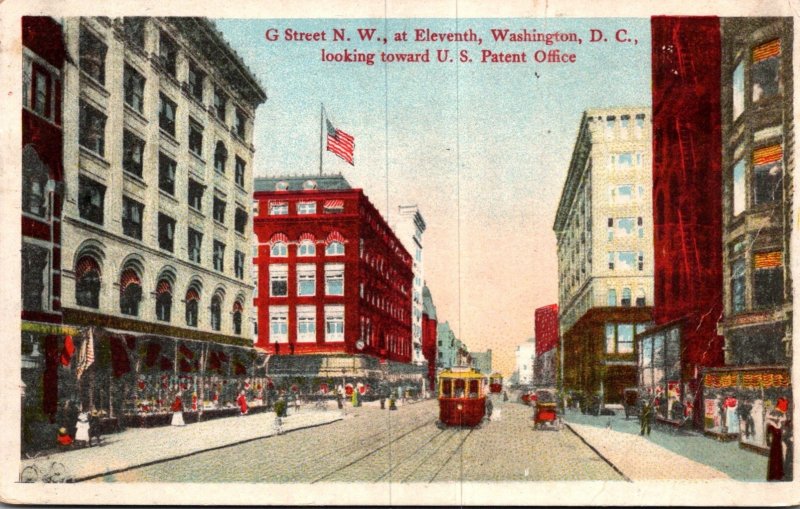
{"x":177,"y":412}
{"x":776,"y":423}
{"x":82,"y":428}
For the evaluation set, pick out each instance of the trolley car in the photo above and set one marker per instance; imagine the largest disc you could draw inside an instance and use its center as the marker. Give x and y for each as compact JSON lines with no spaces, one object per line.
{"x":461,"y":398}
{"x":496,"y":383}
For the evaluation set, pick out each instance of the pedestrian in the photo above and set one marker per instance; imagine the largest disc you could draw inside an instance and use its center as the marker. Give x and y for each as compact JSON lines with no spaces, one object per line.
{"x":339,"y":400}
{"x":82,"y":429}
{"x":242,"y":402}
{"x":778,"y":425}
{"x":177,"y":411}
{"x":488,"y":406}
{"x":296,"y":403}
{"x":645,"y":417}
{"x":63,"y":437}
{"x":505,"y":396}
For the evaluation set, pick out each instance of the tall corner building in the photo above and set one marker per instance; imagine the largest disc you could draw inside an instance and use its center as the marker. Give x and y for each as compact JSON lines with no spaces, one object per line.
{"x":604,"y":237}
{"x":409,"y":228}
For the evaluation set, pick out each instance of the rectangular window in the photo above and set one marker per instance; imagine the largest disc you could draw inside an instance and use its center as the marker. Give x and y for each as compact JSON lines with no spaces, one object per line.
{"x":41,"y":85}
{"x":93,"y":56}
{"x":35,"y":278}
{"x":611,"y":260}
{"x":219,"y":256}
{"x":241,"y":122}
{"x":625,"y":160}
{"x":278,"y":280}
{"x":278,"y":208}
{"x":624,"y":125}
{"x":239,"y":171}
{"x":738,"y":90}
{"x":610,"y":121}
{"x":626,"y":260}
{"x":278,"y":323}
{"x":91,"y":196}
{"x":622,"y":195}
{"x":132,"y":218}
{"x":739,"y":203}
{"x":612,"y":297}
{"x":195,"y":242}
{"x":639,"y":128}
{"x":333,"y":206}
{"x":219,"y":209}
{"x":625,"y":226}
{"x":196,"y":190}
{"x":306,"y":324}
{"x":238,"y":264}
{"x":306,"y":280}
{"x":195,"y":137}
{"x":768,"y":174}
{"x":307,"y":207}
{"x":195,"y":82}
{"x":641,"y":301}
{"x":765,"y":70}
{"x":220,"y":103}
{"x":334,"y":279}
{"x":93,"y":129}
{"x":166,"y":115}
{"x":166,"y":174}
{"x":132,"y":153}
{"x":334,"y":323}
{"x":134,"y":89}
{"x":611,"y":336}
{"x":240,"y":220}
{"x":168,"y":54}
{"x":737,"y":285}
{"x":166,"y":232}
{"x":625,"y":338}
{"x":768,"y":279}
{"x":133,"y":29}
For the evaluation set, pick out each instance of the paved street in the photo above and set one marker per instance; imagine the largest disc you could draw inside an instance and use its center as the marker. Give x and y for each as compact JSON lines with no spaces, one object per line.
{"x":373,"y":445}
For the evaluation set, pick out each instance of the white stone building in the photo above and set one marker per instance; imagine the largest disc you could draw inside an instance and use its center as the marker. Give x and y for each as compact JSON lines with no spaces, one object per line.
{"x":524,"y":357}
{"x":409,"y":229}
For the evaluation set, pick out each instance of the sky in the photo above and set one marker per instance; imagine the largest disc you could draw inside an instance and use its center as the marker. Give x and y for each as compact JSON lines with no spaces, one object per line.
{"x":483,"y":149}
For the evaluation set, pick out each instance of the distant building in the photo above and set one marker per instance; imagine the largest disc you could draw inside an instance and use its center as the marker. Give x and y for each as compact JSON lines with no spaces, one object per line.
{"x":447,"y":347}
{"x":333,"y":279}
{"x":409,"y":229}
{"x":482,"y":361}
{"x":547,"y":342}
{"x":604,"y":234}
{"x":524,"y":356}
{"x":429,"y":334}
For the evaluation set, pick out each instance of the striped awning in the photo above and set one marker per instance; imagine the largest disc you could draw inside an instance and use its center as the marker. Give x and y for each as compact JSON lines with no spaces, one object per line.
{"x":192,"y":295}
{"x":333,"y":204}
{"x":85,"y":265}
{"x":768,"y":260}
{"x":767,"y":50}
{"x":279,"y":237}
{"x":237,"y":307}
{"x":766,"y":155}
{"x":335,"y":237}
{"x":129,"y":277}
{"x":307,"y":236}
{"x":163,"y":287}
{"x":278,"y":204}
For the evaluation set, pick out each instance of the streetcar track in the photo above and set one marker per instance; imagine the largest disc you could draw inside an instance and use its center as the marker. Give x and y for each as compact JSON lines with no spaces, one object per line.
{"x":370,"y":453}
{"x":452,"y":455}
{"x":407,"y":477}
{"x":408,"y":456}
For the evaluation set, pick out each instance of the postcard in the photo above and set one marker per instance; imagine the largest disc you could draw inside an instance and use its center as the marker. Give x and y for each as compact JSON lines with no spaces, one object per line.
{"x":398,"y":253}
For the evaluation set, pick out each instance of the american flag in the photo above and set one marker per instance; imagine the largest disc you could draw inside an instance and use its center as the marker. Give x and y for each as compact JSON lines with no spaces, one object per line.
{"x":340,"y":143}
{"x":86,"y":357}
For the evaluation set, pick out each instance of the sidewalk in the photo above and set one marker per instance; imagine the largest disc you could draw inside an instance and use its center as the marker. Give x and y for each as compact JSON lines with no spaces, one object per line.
{"x":674,"y":447}
{"x":137,"y":447}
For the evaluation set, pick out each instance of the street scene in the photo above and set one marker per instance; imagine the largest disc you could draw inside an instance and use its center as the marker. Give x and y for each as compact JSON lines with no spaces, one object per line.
{"x":315,"y":251}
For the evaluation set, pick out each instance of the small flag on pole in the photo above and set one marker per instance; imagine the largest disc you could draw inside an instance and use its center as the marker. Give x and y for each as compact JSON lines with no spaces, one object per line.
{"x":340,"y":143}
{"x":86,"y":357}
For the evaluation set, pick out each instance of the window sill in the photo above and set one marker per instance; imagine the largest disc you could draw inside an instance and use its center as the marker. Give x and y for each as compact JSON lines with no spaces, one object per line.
{"x":94,"y":84}
{"x":196,"y":212}
{"x":220,"y":225}
{"x":135,"y":179}
{"x":41,"y":116}
{"x":94,"y":156}
{"x":138,"y":115}
{"x":198,"y":157}
{"x":168,"y":196}
{"x":165,"y":135}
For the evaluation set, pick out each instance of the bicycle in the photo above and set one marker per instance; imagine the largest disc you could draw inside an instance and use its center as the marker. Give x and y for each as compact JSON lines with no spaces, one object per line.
{"x":56,"y":472}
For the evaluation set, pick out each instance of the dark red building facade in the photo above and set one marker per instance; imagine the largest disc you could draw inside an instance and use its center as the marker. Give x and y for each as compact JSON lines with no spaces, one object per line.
{"x":42,"y":158}
{"x":332,"y":276}
{"x":687,"y":210}
{"x":429,"y":336}
{"x":545,"y":363}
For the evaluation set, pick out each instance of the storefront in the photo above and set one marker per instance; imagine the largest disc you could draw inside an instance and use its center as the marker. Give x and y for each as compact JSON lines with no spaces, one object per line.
{"x":737,"y":401}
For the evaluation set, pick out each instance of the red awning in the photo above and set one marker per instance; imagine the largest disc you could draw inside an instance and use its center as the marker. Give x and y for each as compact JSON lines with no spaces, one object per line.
{"x":192,"y":295}
{"x":279,"y":237}
{"x":335,"y":237}
{"x":129,"y":277}
{"x":333,"y":204}
{"x":237,"y":307}
{"x":163,"y":287}
{"x":307,"y":236}
{"x":85,"y":265}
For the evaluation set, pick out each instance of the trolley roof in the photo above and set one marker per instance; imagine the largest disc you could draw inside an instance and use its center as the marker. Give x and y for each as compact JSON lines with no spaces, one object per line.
{"x":461,"y":372}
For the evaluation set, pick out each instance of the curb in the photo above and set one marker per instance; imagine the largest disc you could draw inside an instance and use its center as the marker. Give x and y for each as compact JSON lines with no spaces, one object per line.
{"x":193,"y":453}
{"x":590,"y":446}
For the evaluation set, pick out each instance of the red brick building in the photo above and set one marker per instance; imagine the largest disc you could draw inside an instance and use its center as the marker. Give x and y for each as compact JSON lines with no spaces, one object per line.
{"x":429,"y":345}
{"x":332,"y":276}
{"x":43,"y":337}
{"x":687,"y":210}
{"x":546,"y":330}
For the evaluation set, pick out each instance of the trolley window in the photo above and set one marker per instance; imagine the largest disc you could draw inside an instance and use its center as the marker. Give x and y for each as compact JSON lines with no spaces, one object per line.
{"x":460,"y":386}
{"x":447,"y":388}
{"x":474,"y":389}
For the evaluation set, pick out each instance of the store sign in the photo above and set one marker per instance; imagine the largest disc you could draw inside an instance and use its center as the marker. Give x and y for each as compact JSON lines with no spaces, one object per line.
{"x":747,"y":380}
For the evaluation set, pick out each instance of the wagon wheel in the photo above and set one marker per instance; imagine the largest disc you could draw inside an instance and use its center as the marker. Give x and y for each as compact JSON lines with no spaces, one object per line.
{"x":29,"y":474}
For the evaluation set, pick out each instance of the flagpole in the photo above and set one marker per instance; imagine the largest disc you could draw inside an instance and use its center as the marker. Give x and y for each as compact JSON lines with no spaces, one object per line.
{"x":321,"y":109}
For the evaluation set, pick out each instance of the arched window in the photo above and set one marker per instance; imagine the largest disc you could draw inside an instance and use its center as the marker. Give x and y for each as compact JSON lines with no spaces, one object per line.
{"x":306,"y":248}
{"x":626,"y":297}
{"x":641,"y":301}
{"x":278,"y":249}
{"x":237,"y":317}
{"x":220,"y":157}
{"x":87,"y":282}
{"x":130,"y":292}
{"x":334,"y":248}
{"x":164,"y":300}
{"x":216,"y":312}
{"x":192,"y":300}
